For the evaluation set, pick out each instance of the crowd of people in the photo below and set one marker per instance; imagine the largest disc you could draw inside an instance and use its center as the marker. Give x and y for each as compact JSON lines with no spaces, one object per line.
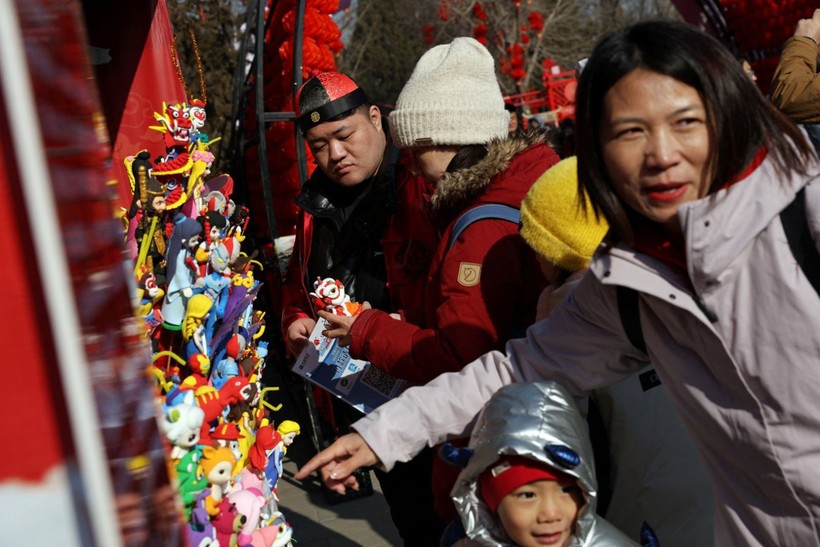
{"x":613,"y":347}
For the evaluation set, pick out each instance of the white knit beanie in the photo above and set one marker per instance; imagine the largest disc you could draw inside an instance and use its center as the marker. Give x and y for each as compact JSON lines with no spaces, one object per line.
{"x":452,"y":97}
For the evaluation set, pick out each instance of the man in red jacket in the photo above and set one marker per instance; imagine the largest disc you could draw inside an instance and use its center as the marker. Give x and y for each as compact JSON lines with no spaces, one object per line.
{"x":362,"y":221}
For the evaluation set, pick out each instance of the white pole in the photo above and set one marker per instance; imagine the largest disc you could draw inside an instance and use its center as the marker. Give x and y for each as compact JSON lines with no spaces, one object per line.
{"x":58,"y":293}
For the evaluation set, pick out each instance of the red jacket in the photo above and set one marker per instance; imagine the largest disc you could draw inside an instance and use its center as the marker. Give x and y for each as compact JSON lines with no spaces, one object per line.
{"x":483,"y":290}
{"x":408,"y":241}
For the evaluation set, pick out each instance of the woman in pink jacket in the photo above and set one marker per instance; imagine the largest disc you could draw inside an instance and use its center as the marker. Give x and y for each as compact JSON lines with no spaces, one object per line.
{"x":714,"y":209}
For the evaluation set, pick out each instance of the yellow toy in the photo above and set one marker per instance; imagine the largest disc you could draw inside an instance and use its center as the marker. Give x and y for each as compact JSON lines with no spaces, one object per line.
{"x":288,"y":429}
{"x":217,"y":464}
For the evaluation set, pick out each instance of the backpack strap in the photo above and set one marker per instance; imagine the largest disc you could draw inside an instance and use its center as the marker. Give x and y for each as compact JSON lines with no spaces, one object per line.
{"x":795,"y":224}
{"x":631,"y":316}
{"x":488,"y":210}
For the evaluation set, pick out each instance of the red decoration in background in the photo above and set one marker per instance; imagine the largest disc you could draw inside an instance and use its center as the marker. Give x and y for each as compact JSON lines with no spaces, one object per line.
{"x":480,"y":33}
{"x":760,"y":27}
{"x":516,"y":63}
{"x":443,"y":10}
{"x":427,"y":34}
{"x":478,"y":12}
{"x":547,"y":65}
{"x":321,"y":43}
{"x":536,"y":21}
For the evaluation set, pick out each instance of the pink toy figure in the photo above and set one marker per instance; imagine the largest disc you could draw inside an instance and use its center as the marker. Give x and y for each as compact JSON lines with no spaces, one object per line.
{"x":228,"y":522}
{"x":249,"y":502}
{"x":217,"y":464}
{"x":247,"y":480}
{"x":278,"y":534}
{"x":329,"y":295}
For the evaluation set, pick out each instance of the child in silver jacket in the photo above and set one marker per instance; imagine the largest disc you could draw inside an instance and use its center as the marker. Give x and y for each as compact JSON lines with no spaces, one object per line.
{"x":539,"y":422}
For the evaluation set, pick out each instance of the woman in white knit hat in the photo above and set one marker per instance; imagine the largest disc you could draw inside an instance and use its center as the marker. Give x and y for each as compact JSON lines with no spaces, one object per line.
{"x":484,"y":284}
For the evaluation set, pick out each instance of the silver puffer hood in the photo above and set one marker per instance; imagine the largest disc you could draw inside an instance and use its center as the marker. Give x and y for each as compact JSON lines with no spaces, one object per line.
{"x":523,"y":419}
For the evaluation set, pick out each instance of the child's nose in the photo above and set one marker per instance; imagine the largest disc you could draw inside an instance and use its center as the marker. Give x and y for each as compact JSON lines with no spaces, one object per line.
{"x":550,"y":511}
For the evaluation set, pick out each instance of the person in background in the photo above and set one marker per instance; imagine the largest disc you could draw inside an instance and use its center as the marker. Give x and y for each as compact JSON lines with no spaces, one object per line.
{"x":796,"y":84}
{"x":534,"y":123}
{"x":713,"y":203}
{"x":484,"y":281}
{"x":362,"y":220}
{"x":515,"y":119}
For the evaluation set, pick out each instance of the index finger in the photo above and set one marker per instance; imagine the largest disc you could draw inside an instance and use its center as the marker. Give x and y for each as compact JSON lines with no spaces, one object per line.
{"x":321,"y":459}
{"x":331,"y":318}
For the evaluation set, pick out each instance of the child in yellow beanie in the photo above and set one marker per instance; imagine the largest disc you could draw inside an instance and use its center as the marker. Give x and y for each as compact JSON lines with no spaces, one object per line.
{"x":664,"y":485}
{"x":560,"y":231}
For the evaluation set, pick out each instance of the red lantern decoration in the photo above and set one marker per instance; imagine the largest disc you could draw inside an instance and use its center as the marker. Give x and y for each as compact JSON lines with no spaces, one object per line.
{"x":478,"y":12}
{"x":443,"y":11}
{"x":536,"y":21}
{"x":427,"y":34}
{"x":480,"y":33}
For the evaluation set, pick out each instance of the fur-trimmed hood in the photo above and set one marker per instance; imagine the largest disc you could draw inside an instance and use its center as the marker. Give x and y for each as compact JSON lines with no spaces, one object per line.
{"x":502,"y":176}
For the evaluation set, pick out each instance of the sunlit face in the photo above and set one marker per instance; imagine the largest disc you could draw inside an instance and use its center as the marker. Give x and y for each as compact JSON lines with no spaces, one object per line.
{"x":432,"y":161}
{"x":288,"y":439}
{"x":655,"y":144}
{"x":350,"y":150}
{"x":541,"y":513}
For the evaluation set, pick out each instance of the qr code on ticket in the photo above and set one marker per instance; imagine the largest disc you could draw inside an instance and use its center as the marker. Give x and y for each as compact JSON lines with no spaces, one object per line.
{"x":380,"y":381}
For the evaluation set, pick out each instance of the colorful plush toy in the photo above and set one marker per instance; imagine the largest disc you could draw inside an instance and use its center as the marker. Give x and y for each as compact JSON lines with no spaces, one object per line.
{"x":228,"y":522}
{"x":182,"y":426}
{"x":191,"y":480}
{"x":201,"y":533}
{"x":266,"y":440}
{"x":217,"y":464}
{"x":199,"y":366}
{"x":329,"y":295}
{"x":228,"y":435}
{"x":287,"y":431}
{"x":284,"y":533}
{"x":195,"y":298}
{"x":248,"y":502}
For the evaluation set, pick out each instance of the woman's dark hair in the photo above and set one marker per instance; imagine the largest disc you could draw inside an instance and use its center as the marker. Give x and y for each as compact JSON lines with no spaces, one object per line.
{"x":739,"y":119}
{"x":467,"y":156}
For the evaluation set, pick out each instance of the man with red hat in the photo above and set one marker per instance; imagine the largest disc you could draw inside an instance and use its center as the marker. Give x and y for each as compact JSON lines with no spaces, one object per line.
{"x":363,"y":221}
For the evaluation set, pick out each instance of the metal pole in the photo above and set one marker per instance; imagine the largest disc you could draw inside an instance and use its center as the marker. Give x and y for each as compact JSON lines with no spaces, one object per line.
{"x":298,"y":38}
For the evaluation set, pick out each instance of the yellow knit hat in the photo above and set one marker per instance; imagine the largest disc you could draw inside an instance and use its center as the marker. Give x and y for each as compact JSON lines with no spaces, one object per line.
{"x":553,"y":223}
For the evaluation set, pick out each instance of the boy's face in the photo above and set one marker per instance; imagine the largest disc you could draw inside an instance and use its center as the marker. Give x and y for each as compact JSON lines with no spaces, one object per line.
{"x":541,"y":513}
